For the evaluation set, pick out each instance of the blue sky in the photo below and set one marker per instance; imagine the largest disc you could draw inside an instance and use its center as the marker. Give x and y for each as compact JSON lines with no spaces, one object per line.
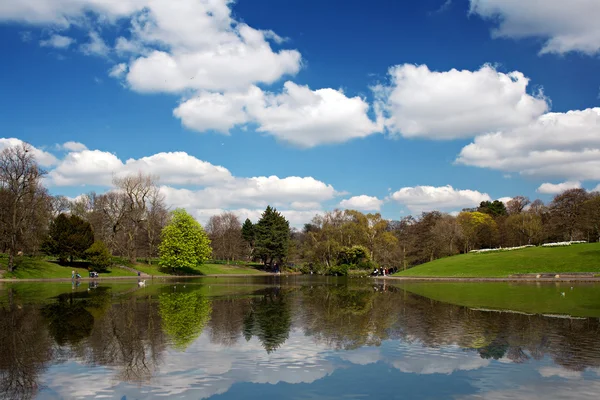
{"x":391,"y":106}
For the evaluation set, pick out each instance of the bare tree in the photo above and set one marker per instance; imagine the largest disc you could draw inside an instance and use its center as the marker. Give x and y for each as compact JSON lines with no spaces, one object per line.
{"x":516,"y":205}
{"x":225,"y":233}
{"x":22,"y":197}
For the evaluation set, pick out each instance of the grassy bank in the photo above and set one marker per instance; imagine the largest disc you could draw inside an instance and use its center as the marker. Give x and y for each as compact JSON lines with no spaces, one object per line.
{"x":40,"y":267}
{"x":582,"y":301}
{"x":206,"y":269}
{"x":575,"y":258}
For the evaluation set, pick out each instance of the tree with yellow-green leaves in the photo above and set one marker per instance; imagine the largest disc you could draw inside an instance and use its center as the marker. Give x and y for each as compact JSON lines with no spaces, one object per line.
{"x":184,"y":242}
{"x":478,"y":229}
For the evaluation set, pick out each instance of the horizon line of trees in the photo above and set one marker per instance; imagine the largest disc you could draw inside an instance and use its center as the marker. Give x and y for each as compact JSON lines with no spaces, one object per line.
{"x":130,"y":222}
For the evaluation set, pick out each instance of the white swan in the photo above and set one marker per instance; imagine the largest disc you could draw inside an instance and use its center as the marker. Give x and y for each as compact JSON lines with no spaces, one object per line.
{"x":142,"y":283}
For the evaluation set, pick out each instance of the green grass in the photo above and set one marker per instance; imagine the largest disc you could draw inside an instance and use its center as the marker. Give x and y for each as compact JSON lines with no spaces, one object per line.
{"x":206,"y":269}
{"x":41,"y":268}
{"x":575,"y":258}
{"x":582,"y":301}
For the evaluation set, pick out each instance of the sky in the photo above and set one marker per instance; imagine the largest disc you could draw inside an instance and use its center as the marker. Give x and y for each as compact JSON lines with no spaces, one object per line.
{"x":397,"y":107}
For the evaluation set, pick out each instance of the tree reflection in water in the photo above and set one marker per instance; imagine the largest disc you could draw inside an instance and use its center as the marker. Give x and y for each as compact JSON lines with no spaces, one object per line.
{"x":25,"y":349}
{"x":131,"y":334}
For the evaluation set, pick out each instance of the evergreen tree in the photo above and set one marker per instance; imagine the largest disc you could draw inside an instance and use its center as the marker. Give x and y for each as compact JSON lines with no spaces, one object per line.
{"x":184,"y":242}
{"x":248,"y":234}
{"x":68,"y":238}
{"x":271,"y":237}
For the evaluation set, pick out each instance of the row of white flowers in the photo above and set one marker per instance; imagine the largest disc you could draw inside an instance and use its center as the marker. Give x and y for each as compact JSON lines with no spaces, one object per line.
{"x":502,"y":249}
{"x":557,"y":244}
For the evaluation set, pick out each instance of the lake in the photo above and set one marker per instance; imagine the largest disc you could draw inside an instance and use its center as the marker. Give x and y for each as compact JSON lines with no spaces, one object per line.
{"x":298,"y":338}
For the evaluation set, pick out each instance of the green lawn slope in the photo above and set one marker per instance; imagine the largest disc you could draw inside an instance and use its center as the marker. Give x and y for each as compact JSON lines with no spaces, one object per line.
{"x":575,"y":258}
{"x":42,"y":268}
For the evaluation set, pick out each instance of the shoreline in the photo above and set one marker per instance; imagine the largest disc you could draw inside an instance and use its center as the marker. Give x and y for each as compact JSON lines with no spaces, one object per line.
{"x":152,"y":277}
{"x":483,"y":279}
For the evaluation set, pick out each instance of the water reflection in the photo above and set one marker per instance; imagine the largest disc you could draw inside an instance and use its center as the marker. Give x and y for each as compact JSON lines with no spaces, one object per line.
{"x":199,"y":340}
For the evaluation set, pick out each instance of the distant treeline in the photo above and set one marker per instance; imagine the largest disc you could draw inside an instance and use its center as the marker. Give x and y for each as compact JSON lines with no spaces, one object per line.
{"x":129,"y":220}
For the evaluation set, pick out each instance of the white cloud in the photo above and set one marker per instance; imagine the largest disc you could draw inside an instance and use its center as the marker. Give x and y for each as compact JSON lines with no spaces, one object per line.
{"x":596,"y":189}
{"x":187,"y":44}
{"x":505,"y":199}
{"x":57,"y":41}
{"x":297,"y":115}
{"x":429,"y":198}
{"x":86,"y":167}
{"x":118,"y":70}
{"x":96,"y":46}
{"x":362,"y":203}
{"x":308,"y":118}
{"x":551,"y":188}
{"x":567,"y":25}
{"x":216,"y":111}
{"x":179,"y":168}
{"x":557,"y":145}
{"x":44,"y":158}
{"x":81,"y":167}
{"x":455,"y":104}
{"x":253,"y":192}
{"x":73,"y":146}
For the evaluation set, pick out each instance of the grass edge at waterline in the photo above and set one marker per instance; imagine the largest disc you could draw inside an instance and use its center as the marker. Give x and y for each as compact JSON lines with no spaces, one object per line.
{"x":583,"y":257}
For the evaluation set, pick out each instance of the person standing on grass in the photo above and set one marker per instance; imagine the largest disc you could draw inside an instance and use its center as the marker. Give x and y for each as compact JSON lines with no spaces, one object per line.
{"x":72,"y":274}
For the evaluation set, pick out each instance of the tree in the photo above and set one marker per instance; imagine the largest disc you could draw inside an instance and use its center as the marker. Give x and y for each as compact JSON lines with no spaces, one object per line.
{"x":272,"y":236}
{"x":495,"y":208}
{"x":478,"y":229}
{"x":248,"y":234}
{"x":24,"y":203}
{"x":99,"y":255}
{"x":447,"y":232}
{"x":137,"y":191}
{"x":516,"y":205}
{"x":566,"y":212}
{"x":225,"y":233}
{"x":184,"y":242}
{"x":68,"y":238}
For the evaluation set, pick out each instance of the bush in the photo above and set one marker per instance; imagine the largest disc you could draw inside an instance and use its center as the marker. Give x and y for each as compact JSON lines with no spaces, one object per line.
{"x":99,"y":255}
{"x":338,"y":270}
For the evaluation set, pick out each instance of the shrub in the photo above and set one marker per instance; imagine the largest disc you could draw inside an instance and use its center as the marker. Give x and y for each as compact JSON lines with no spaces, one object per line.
{"x":99,"y":255}
{"x":338,"y":270}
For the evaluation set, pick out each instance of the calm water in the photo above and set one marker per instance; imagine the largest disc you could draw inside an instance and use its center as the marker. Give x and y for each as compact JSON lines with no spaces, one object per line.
{"x":283,"y":338}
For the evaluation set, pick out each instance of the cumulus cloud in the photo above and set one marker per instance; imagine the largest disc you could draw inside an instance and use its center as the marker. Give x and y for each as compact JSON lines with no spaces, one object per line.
{"x":596,"y":189}
{"x":428,"y":198}
{"x":551,"y":188}
{"x":362,"y":203}
{"x":57,"y":41}
{"x":202,"y":188}
{"x":83,"y":166}
{"x":556,"y":145}
{"x":307,"y":118}
{"x":455,"y":104}
{"x":297,"y":115}
{"x":44,"y":158}
{"x":73,"y":146}
{"x":216,"y":111}
{"x":180,"y":45}
{"x":96,"y":46}
{"x":118,"y":71}
{"x":566,"y":25}
{"x":254,"y":192}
